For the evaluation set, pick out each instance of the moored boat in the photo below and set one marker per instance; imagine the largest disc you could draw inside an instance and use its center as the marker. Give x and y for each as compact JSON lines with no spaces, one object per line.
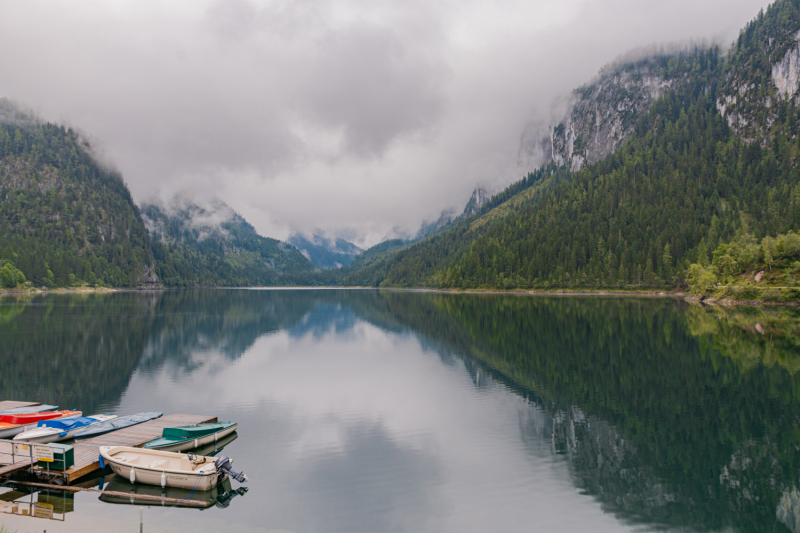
{"x":11,"y":425}
{"x":31,"y":409}
{"x":184,"y":438}
{"x":113,"y":425}
{"x":61,"y":429}
{"x":215,"y":447}
{"x":167,"y":469}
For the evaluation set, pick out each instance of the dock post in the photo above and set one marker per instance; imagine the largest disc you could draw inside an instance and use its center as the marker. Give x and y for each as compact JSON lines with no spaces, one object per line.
{"x":141,"y":519}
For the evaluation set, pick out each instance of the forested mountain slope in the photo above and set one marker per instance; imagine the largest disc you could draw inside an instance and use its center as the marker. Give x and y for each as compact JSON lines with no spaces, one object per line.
{"x":64,"y":219}
{"x":758,"y":91}
{"x":414,"y":264}
{"x":683,"y":183}
{"x":212,"y":246}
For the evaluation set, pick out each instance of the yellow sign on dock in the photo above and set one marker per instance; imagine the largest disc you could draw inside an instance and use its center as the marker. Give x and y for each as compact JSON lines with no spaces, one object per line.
{"x":21,"y":449}
{"x":43,"y":454}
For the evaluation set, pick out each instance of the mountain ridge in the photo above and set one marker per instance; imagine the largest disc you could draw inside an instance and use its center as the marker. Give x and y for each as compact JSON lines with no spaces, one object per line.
{"x":325,"y":252}
{"x":212,"y":245}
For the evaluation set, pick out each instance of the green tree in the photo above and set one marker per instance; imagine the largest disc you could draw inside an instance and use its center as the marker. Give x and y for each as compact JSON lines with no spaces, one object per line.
{"x":667,"y":260}
{"x":769,"y":250}
{"x":700,"y":279}
{"x":702,"y":253}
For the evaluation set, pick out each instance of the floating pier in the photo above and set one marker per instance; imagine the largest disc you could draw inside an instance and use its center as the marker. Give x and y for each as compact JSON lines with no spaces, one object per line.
{"x":87,"y":451}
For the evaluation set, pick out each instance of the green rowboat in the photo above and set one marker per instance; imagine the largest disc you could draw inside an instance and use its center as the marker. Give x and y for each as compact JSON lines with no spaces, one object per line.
{"x":179,"y":439}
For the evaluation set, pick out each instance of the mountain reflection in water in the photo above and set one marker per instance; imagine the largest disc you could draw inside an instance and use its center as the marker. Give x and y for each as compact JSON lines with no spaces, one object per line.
{"x":664,"y":414}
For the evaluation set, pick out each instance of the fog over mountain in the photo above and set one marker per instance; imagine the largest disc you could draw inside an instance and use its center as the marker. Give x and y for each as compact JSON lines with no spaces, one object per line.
{"x":352,"y":117}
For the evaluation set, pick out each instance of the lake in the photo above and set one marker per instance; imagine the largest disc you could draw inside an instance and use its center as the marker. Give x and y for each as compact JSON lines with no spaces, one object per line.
{"x":369,"y":410}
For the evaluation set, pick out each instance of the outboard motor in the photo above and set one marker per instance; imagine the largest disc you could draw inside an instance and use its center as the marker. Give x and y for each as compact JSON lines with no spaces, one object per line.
{"x":223,"y":465}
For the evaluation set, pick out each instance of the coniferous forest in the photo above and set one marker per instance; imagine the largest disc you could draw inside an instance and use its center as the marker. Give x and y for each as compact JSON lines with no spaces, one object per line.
{"x":66,"y":220}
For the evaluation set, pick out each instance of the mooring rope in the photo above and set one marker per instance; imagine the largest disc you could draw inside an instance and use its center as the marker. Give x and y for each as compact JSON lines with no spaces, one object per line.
{"x":199,"y":476}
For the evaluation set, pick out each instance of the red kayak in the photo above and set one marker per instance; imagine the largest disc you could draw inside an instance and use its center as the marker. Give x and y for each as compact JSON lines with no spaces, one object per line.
{"x":27,"y":418}
{"x":11,"y":425}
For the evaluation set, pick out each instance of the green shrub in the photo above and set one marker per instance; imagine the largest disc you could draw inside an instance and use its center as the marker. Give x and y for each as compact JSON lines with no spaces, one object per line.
{"x":791,"y":244}
{"x":700,"y":279}
{"x":747,"y":293}
{"x":10,"y":276}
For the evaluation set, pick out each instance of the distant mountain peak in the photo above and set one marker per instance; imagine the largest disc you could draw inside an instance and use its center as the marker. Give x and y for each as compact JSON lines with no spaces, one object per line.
{"x":196,"y":219}
{"x":207,"y":243}
{"x":324,"y":251}
{"x":447,"y":216}
{"x":479,"y":197}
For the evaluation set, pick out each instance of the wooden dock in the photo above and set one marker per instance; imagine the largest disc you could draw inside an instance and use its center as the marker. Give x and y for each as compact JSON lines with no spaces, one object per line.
{"x":6,"y":405}
{"x":9,"y":463}
{"x":87,"y":451}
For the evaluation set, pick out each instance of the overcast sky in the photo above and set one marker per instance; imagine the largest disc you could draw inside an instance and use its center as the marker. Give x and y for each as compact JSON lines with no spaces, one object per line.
{"x":350,"y":116}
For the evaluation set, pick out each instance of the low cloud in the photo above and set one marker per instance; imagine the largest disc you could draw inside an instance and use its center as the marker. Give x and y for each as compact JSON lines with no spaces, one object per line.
{"x":350,"y":116}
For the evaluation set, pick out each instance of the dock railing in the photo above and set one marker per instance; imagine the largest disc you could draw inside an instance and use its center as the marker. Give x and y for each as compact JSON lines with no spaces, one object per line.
{"x":36,"y":453}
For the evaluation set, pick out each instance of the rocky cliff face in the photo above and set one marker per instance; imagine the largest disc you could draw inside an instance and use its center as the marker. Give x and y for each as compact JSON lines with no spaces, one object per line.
{"x":759,"y":88}
{"x":479,"y":197}
{"x":601,"y":115}
{"x":596,"y":119}
{"x":786,"y":73}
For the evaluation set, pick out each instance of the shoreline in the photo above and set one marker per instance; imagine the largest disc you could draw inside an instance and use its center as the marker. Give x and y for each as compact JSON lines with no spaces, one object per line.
{"x":71,"y":290}
{"x":546,"y":292}
{"x":681,"y":295}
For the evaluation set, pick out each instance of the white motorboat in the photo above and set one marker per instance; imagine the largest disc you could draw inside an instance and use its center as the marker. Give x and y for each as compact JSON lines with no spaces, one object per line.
{"x":168,"y":469}
{"x":61,"y":429}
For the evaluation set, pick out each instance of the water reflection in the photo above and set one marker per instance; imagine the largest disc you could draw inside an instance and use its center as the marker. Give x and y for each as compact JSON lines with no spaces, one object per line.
{"x":120,"y":491}
{"x":383,"y":410}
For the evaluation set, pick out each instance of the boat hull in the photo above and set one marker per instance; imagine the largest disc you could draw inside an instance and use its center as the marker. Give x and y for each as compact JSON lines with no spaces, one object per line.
{"x":148,"y":470}
{"x":121,"y":422}
{"x":191,"y":444}
{"x":32,"y":409}
{"x":41,"y":437}
{"x":46,"y":435}
{"x":47,"y":438}
{"x":10,"y":431}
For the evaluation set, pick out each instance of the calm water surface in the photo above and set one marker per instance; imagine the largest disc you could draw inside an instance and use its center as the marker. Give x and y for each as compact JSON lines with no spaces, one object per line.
{"x":365,"y":410}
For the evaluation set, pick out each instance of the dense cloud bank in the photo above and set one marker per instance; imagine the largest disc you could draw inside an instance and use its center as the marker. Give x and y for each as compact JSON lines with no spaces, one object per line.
{"x":350,"y":116}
